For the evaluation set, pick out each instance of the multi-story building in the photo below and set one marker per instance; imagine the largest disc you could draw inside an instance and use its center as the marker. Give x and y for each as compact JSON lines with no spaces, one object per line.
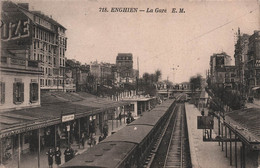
{"x":221,"y":72}
{"x":241,"y":58}
{"x":102,"y":72}
{"x":253,"y":74}
{"x":124,"y":64}
{"x":218,"y":61}
{"x":19,"y":80}
{"x":46,"y":41}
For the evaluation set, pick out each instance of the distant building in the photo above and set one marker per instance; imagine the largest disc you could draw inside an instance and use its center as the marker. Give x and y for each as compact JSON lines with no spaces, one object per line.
{"x":102,"y":72}
{"x":217,"y":68}
{"x":124,"y":64}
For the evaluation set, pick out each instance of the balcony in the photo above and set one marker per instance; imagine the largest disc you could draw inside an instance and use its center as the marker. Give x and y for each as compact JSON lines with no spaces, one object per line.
{"x":20,"y":65}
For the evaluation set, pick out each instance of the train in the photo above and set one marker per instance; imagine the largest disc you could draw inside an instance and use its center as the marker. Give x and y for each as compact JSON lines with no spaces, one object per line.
{"x":129,"y":146}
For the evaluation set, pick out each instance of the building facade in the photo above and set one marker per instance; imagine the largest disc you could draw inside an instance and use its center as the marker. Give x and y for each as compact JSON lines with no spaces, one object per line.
{"x":253,"y":73}
{"x":102,"y":72}
{"x":217,"y":70}
{"x":241,"y":59}
{"x":20,"y":75}
{"x":46,"y":41}
{"x":124,"y":64}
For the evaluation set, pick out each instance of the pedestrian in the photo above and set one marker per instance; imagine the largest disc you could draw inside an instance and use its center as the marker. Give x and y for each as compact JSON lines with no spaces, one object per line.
{"x":67,"y":154}
{"x":128,"y":120}
{"x":120,"y":117}
{"x":202,"y":112}
{"x":50,"y":157}
{"x":82,"y":140}
{"x":101,"y":137}
{"x":58,"y":156}
{"x":105,"y":129}
{"x":71,"y":154}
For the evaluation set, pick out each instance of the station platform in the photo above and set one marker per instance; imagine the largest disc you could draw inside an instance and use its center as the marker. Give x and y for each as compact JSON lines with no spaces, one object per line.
{"x":31,"y":159}
{"x":203,"y":154}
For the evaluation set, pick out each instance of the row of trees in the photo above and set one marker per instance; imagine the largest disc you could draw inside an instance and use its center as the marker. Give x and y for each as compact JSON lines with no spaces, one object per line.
{"x":147,"y":84}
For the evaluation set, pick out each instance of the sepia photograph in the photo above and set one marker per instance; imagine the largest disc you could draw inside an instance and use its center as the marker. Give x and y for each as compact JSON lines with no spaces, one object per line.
{"x":130,"y":84}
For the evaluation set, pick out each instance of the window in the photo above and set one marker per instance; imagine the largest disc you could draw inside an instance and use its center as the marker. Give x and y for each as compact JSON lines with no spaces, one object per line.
{"x":2,"y":92}
{"x":18,"y":92}
{"x":33,"y":92}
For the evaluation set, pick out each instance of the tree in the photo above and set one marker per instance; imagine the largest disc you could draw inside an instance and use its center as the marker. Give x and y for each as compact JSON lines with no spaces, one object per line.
{"x":195,"y":82}
{"x":146,"y":77}
{"x":158,"y":75}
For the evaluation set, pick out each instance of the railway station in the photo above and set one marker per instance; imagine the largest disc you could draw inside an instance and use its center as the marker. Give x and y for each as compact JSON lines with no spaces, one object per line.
{"x":184,"y":93}
{"x":66,"y":117}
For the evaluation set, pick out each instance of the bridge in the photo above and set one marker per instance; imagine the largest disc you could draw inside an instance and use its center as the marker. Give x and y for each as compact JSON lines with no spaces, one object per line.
{"x":172,"y":91}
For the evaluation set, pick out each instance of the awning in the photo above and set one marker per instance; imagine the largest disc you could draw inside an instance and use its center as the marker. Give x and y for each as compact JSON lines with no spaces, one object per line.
{"x":255,"y":88}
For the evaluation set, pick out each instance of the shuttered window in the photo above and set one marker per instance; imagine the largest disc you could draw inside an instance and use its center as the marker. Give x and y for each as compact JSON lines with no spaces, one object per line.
{"x":2,"y":92}
{"x":33,"y":92}
{"x":18,"y":92}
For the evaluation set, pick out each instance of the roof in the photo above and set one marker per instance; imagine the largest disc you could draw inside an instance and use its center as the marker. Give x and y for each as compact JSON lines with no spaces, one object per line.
{"x":47,"y":18}
{"x":54,"y":104}
{"x":148,"y":118}
{"x":246,"y":123}
{"x":132,"y":133}
{"x":100,"y":155}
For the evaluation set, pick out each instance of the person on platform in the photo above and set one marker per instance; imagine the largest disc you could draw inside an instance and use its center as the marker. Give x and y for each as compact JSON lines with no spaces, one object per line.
{"x":82,"y":140}
{"x":128,"y":120}
{"x":50,"y":157}
{"x":68,"y":154}
{"x":120,"y":118}
{"x":101,"y":138}
{"x":58,"y":156}
{"x":105,"y":129}
{"x":202,"y":112}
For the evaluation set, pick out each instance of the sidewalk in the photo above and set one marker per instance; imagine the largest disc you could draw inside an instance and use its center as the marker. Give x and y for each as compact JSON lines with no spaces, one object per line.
{"x":30,"y":160}
{"x":203,"y":154}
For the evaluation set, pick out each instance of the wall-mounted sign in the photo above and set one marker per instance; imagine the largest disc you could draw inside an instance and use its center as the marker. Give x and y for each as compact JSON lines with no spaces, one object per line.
{"x":66,"y":118}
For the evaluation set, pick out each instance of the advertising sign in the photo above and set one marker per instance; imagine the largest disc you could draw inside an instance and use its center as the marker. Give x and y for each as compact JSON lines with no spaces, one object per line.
{"x":15,"y":27}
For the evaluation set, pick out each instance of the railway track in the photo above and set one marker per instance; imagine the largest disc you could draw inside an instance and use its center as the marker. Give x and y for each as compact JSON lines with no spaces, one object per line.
{"x":174,"y":156}
{"x":172,"y":147}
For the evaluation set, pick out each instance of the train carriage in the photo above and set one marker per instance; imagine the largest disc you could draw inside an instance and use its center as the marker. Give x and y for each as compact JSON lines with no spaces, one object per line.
{"x":100,"y":156}
{"x":129,"y":146}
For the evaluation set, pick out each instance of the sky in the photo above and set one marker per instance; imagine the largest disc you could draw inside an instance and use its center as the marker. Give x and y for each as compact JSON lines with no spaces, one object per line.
{"x":178,"y":44}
